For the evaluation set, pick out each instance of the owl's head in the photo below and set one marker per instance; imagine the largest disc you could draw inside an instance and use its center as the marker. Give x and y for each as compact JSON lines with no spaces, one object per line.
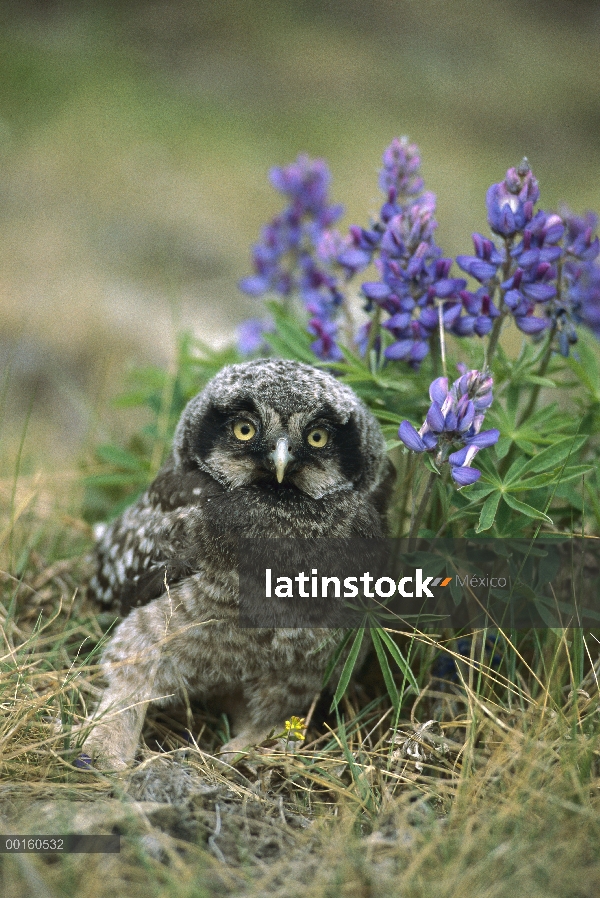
{"x":281,"y":426}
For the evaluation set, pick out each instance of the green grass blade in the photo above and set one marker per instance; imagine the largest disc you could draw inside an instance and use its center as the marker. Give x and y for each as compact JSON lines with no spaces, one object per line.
{"x":348,"y":668}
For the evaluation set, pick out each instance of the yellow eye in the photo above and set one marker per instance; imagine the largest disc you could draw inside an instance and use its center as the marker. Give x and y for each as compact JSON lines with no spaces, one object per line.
{"x":244,"y":430}
{"x":317,"y":438}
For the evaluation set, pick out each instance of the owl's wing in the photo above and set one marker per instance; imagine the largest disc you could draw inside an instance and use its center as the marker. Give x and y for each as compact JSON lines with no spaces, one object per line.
{"x":145,"y":549}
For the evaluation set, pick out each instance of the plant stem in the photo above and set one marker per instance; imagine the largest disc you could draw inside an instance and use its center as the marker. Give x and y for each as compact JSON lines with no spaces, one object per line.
{"x":494,"y":337}
{"x":416,"y":521}
{"x":440,"y":306}
{"x":402,"y":492}
{"x":497,"y":328}
{"x":529,"y":408}
{"x":373,"y":334}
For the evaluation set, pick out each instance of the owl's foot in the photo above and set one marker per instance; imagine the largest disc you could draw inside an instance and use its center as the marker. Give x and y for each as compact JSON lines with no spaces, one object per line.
{"x":100,"y":762}
{"x":238,"y":747}
{"x":99,"y":757}
{"x":111,"y":745}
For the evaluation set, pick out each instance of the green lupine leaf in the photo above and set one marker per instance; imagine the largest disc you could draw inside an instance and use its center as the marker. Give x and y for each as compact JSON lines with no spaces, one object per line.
{"x":515,"y":470}
{"x":287,"y":347}
{"x":543,"y":415}
{"x":575,"y":472}
{"x":385,"y":416}
{"x":525,"y":445}
{"x":586,"y":369}
{"x":477,"y":491}
{"x":559,"y":475}
{"x":525,"y":509}
{"x":554,"y":455}
{"x":488,"y":512}
{"x":502,"y":447}
{"x":291,"y":337}
{"x":532,"y":483}
{"x":430,"y":464}
{"x":488,"y":471}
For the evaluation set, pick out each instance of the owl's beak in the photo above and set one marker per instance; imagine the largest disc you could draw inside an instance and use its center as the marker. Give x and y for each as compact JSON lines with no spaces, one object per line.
{"x":281,"y":455}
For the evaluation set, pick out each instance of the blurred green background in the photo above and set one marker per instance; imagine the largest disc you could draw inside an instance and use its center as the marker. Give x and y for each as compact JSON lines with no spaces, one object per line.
{"x":136,"y":138}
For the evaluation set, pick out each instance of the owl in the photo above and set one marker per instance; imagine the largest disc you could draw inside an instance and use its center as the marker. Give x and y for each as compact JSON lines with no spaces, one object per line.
{"x":270,"y":448}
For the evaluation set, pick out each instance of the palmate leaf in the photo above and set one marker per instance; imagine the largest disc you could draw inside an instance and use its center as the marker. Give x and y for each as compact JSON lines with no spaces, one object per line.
{"x":353,"y":365}
{"x":289,"y":349}
{"x":488,"y":470}
{"x":502,"y":447}
{"x":540,"y":428}
{"x":387,"y":417}
{"x":477,"y":491}
{"x":355,"y":371}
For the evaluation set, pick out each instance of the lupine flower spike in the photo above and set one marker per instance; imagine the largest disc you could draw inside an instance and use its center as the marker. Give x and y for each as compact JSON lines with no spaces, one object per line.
{"x":290,"y":258}
{"x":452,"y":428}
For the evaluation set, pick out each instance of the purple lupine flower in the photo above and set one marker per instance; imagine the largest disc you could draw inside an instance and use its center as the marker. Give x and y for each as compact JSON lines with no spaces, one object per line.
{"x":325,"y":346}
{"x":358,"y":249}
{"x":584,"y":296}
{"x":480,"y":312}
{"x":452,"y":427}
{"x":306,"y":183}
{"x":251,"y":335}
{"x":400,"y":181}
{"x":581,"y":241}
{"x":292,"y":255}
{"x":510,"y":203}
{"x":540,"y":240}
{"x":411,"y":438}
{"x":400,"y":172}
{"x":413,"y":280}
{"x":529,"y":264}
{"x":484,"y":264}
{"x":580,"y":296}
{"x":535,"y":270}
